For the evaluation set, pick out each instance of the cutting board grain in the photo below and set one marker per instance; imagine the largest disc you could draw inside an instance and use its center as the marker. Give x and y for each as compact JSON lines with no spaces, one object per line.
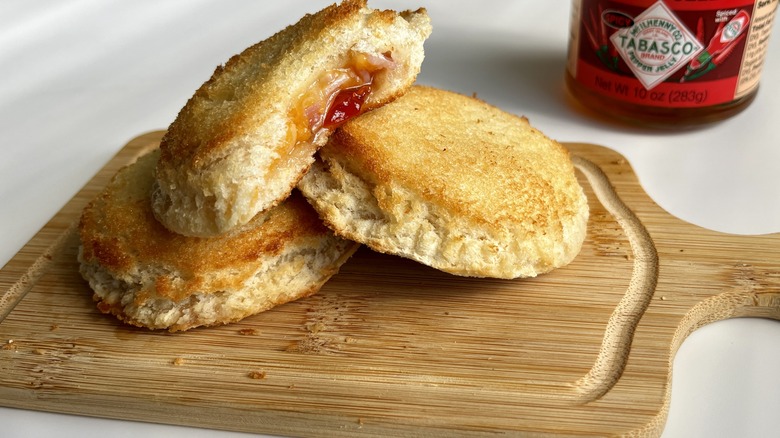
{"x":390,"y":347}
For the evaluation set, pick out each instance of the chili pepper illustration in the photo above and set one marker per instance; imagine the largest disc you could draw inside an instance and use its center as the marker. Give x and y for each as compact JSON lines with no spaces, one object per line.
{"x":599,"y":40}
{"x":722,"y":44}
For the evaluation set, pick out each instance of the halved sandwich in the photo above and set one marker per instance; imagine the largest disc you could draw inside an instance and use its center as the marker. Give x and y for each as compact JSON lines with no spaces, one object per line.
{"x":242,"y":142}
{"x":148,"y":276}
{"x":453,"y":183}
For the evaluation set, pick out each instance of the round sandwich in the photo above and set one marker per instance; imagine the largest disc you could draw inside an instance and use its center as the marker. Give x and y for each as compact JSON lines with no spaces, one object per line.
{"x":242,"y":142}
{"x":454,"y":183}
{"x":150,"y":277}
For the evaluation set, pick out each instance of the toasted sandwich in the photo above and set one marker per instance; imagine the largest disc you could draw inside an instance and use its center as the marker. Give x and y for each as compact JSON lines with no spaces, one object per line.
{"x":148,"y":276}
{"x":249,"y":133}
{"x":453,"y":183}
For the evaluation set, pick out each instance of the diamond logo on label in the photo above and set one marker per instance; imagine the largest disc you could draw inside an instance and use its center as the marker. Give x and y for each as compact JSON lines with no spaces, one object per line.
{"x":657,"y":45}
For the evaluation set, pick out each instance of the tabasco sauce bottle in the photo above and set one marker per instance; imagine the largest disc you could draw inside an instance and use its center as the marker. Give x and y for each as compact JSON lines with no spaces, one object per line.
{"x":668,"y":63}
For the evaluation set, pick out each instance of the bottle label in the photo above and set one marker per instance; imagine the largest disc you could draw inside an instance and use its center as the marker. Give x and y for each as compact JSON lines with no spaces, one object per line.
{"x":672,"y":53}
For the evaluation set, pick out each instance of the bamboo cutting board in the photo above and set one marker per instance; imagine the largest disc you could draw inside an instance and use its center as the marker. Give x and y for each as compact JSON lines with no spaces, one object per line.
{"x":390,"y":347}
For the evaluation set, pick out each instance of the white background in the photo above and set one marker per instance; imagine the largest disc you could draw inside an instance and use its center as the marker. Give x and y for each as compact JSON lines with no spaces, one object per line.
{"x":80,"y":78}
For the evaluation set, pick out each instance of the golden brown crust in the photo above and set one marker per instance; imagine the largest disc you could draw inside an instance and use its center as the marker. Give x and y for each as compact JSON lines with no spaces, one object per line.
{"x":119,"y":232}
{"x":139,"y":269}
{"x":477,"y":167}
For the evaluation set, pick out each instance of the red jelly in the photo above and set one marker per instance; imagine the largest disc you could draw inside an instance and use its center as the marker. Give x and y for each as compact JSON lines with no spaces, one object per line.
{"x":347,"y":104}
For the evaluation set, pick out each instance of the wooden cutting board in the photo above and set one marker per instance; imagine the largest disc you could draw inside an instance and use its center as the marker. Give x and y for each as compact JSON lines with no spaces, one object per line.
{"x":390,"y":347}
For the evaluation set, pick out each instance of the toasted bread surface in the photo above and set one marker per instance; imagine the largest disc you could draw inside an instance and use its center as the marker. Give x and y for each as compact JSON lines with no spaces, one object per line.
{"x":454,"y":183}
{"x":236,"y":149}
{"x":149,"y":276}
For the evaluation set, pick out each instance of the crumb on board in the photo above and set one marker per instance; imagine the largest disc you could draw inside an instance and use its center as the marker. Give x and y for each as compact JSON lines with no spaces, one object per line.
{"x":9,"y":345}
{"x":54,"y":327}
{"x":248,"y":332}
{"x":178,"y":361}
{"x":257,"y":375}
{"x":39,"y":351}
{"x":315,"y":327}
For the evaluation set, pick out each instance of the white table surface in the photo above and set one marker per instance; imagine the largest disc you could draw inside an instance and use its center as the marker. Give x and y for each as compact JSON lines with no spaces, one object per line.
{"x":80,"y":78}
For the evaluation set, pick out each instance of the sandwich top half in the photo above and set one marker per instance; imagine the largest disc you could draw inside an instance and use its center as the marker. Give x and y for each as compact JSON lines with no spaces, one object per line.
{"x":247,"y":136}
{"x":453,"y":183}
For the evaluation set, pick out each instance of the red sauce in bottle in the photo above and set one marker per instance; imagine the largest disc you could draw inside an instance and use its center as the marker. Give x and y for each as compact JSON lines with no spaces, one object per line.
{"x":668,"y":63}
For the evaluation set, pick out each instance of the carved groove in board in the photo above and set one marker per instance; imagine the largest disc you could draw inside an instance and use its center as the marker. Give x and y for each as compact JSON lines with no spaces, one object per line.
{"x":616,"y":344}
{"x":14,"y":294}
{"x":18,"y":290}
